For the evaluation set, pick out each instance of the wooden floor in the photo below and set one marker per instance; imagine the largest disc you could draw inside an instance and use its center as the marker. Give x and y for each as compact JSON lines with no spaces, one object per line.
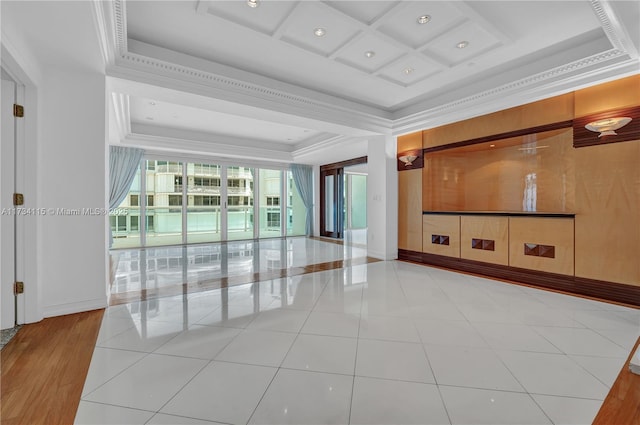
{"x":45,"y":365}
{"x":44,"y":368}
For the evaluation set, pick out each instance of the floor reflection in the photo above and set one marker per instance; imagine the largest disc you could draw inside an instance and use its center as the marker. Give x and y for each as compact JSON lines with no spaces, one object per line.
{"x":140,"y":274}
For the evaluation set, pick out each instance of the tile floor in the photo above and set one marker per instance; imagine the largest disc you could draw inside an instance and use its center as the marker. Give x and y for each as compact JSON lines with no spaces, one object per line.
{"x":381,"y":343}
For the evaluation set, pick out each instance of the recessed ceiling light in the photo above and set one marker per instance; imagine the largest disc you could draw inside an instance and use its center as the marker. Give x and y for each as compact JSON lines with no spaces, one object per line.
{"x":424,"y":19}
{"x":408,"y":70}
{"x":253,"y":3}
{"x":369,"y":54}
{"x":319,"y":32}
{"x":462,"y":44}
{"x":492,"y":146}
{"x":150,"y":118}
{"x":152,"y":103}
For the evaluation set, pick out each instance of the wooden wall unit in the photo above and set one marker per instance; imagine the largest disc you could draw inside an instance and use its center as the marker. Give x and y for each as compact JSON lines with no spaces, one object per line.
{"x":441,"y":235}
{"x":608,"y":212}
{"x":599,"y":183}
{"x":555,"y":109}
{"x":410,"y":210}
{"x":485,"y":238}
{"x":410,"y":198}
{"x":616,"y":94}
{"x":549,"y":244}
{"x":504,"y":175}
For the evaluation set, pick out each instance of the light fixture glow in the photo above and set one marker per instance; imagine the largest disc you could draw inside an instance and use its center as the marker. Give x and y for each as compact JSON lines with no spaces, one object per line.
{"x":319,"y":32}
{"x":423,"y":19}
{"x":608,"y":126}
{"x":369,"y":54}
{"x":253,"y":3}
{"x":492,"y":146}
{"x":408,"y":70}
{"x":408,"y":159}
{"x":462,"y":44}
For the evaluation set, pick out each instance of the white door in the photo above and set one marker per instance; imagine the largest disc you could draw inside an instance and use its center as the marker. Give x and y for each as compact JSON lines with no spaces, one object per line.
{"x":7,"y":215}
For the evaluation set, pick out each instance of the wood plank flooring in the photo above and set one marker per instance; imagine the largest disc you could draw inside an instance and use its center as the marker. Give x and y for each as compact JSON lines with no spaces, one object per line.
{"x":43,"y":369}
{"x":622,"y":405}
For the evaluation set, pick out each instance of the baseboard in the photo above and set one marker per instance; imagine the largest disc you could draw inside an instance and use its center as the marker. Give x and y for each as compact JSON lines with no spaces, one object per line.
{"x":71,"y":308}
{"x":609,"y":291}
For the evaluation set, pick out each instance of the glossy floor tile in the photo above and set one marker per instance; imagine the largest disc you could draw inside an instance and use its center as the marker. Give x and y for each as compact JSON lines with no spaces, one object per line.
{"x":371,"y":343}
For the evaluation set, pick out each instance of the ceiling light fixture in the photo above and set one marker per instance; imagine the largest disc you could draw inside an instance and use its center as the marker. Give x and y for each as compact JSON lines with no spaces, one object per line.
{"x":424,"y":19}
{"x":253,"y":3}
{"x":319,"y":32}
{"x":408,"y":70}
{"x":608,"y":126}
{"x":462,"y":44}
{"x":152,"y":103}
{"x":369,"y":54}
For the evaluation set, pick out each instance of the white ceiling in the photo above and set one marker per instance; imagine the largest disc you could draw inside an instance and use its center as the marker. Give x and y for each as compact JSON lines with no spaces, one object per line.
{"x":226,"y":78}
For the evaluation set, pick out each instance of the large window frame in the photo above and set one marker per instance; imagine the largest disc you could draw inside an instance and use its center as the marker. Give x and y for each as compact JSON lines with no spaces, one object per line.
{"x":154,"y":162}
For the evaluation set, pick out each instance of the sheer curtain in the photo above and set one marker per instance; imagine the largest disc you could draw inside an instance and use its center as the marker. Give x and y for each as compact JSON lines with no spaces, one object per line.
{"x":123,"y":165}
{"x":303,"y":178}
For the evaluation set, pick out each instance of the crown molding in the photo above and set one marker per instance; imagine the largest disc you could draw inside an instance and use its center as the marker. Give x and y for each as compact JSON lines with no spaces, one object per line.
{"x":210,"y":79}
{"x":538,"y":86}
{"x":208,"y":148}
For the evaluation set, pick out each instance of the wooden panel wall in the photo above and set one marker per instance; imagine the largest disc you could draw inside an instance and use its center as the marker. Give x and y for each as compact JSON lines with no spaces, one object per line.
{"x":608,"y":212}
{"x":555,"y":109}
{"x":441,"y":225}
{"x":555,"y":232}
{"x":410,"y":198}
{"x":507,"y":177}
{"x":495,"y":229}
{"x":603,"y":97}
{"x":608,"y":192}
{"x":410,"y":210}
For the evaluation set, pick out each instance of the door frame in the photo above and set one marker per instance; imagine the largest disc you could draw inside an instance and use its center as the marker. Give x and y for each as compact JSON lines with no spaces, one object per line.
{"x":337,"y":170}
{"x":27,"y":77}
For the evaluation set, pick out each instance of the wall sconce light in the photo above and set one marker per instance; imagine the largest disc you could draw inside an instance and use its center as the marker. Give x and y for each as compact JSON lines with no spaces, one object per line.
{"x":608,"y":126}
{"x":408,"y":159}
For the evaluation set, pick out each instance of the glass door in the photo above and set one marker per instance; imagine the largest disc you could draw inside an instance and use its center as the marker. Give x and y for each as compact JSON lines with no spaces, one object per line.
{"x":331,"y":203}
{"x":239,"y":203}
{"x":271,"y":202}
{"x":204,"y":217}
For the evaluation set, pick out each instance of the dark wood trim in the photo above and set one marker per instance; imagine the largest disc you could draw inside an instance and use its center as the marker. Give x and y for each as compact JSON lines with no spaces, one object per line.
{"x":503,"y":213}
{"x":495,"y":137}
{"x":342,"y":164}
{"x":417,"y":163}
{"x":611,"y":291}
{"x":583,"y":137}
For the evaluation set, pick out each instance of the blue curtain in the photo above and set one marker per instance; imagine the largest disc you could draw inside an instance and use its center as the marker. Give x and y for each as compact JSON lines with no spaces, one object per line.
{"x":123,"y":165}
{"x":303,"y":178}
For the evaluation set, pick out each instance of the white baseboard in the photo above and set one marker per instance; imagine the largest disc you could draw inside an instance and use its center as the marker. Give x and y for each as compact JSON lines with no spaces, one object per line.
{"x":71,"y":308}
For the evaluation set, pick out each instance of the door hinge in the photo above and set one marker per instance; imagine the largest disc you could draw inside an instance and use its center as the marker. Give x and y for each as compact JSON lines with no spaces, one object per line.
{"x":18,"y":110}
{"x":18,"y":199}
{"x":18,"y":288}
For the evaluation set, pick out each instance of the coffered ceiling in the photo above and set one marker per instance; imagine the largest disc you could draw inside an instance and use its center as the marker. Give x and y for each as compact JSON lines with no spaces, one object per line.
{"x":298,"y":78}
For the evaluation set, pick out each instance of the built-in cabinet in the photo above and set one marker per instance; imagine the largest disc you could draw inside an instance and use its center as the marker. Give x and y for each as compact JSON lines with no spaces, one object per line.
{"x":529,"y":242}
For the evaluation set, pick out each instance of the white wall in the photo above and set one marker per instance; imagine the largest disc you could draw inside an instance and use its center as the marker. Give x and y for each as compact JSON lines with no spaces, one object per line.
{"x":71,"y":166}
{"x":382,"y":196}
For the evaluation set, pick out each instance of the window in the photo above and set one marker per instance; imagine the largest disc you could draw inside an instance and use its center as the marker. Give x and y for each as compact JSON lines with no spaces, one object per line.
{"x":134,"y":223}
{"x":151,"y":165}
{"x":238,"y":200}
{"x":134,"y":200}
{"x":206,"y":200}
{"x":206,"y":181}
{"x":235,"y":183}
{"x":175,"y":200}
{"x":273,"y":219}
{"x":149,"y":200}
{"x":150,"y":227}
{"x":118,"y":223}
{"x":273,"y":200}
